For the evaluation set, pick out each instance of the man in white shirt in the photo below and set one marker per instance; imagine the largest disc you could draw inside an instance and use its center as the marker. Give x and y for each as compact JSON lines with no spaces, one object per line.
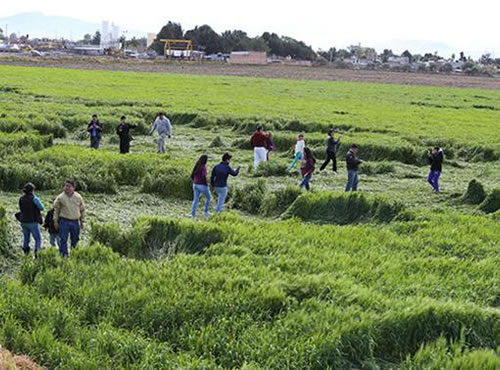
{"x":299,"y":150}
{"x":163,"y":126}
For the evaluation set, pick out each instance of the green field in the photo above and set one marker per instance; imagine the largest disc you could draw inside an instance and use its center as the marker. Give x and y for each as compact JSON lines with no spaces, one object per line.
{"x":394,"y":277}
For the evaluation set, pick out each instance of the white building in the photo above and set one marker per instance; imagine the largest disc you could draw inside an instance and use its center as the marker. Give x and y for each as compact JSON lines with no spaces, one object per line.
{"x":110,"y":36}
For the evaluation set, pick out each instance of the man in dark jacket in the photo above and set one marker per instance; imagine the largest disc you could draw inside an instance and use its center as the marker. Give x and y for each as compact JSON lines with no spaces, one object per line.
{"x":123,"y":132}
{"x":352,"y":162}
{"x":30,"y":218}
{"x":436,"y":161}
{"x":218,"y":180}
{"x":95,"y":130}
{"x":331,"y":151}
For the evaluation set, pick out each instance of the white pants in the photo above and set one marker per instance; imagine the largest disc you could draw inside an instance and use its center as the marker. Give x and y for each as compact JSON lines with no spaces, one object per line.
{"x":161,"y":143}
{"x":259,"y":155}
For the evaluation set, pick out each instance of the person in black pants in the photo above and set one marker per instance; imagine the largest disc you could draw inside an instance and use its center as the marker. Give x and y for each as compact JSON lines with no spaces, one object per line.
{"x":123,"y":131}
{"x":331,"y":151}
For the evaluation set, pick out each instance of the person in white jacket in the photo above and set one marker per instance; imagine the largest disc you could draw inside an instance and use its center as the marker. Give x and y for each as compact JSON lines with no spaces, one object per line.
{"x":299,"y":151}
{"x":164,"y":127}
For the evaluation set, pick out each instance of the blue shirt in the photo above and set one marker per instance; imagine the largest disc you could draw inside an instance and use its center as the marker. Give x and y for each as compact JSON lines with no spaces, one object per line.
{"x":220,"y":173}
{"x":38,"y":203}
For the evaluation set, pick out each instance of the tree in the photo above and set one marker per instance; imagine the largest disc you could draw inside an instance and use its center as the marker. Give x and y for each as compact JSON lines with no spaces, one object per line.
{"x":486,"y":59}
{"x":236,"y":40}
{"x":329,"y":55}
{"x":170,"y":31}
{"x":87,"y":38}
{"x":386,"y":54}
{"x":1,"y":34}
{"x":96,"y":40}
{"x":462,"y":57}
{"x":407,"y":54}
{"x":205,"y":38}
{"x":274,"y":43}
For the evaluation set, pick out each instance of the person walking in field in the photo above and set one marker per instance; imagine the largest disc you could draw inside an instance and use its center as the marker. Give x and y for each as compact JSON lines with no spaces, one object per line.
{"x":352,"y":162}
{"x":218,"y":180}
{"x":50,"y":227}
{"x":270,"y":147}
{"x":200,"y":185}
{"x":436,"y":157}
{"x":69,"y":217}
{"x":258,"y":141}
{"x":123,"y":132}
{"x":30,"y":217}
{"x":332,"y":147}
{"x":164,"y":128}
{"x":299,"y":151}
{"x":95,"y":130}
{"x":307,"y":168}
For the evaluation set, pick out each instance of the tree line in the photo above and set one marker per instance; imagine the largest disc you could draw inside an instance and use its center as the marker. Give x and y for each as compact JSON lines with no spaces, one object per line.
{"x":205,"y":39}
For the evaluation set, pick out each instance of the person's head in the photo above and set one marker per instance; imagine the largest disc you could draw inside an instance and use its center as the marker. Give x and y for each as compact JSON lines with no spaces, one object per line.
{"x":69,"y":187}
{"x":300,"y":137}
{"x":259,"y":128}
{"x":307,"y":153}
{"x":94,"y":117}
{"x":123,"y":118}
{"x":435,"y":150}
{"x":354,"y":148}
{"x":200,"y":163}
{"x":161,"y":115}
{"x":226,"y":157}
{"x":28,"y":188}
{"x":331,"y":132}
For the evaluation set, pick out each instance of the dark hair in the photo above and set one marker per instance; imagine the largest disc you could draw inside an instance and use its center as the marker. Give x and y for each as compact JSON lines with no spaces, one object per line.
{"x":259,"y":128}
{"x":354,"y":146}
{"x":123,"y":117}
{"x":301,"y":135}
{"x":202,"y":161}
{"x":69,"y":181}
{"x":331,"y":131}
{"x":226,"y":156}
{"x":28,"y":188}
{"x":437,"y":148}
{"x":308,"y":154}
{"x":94,"y":115}
{"x":161,"y":113}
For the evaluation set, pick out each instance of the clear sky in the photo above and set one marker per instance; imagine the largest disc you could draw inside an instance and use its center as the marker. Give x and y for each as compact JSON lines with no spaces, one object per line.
{"x":471,"y":26}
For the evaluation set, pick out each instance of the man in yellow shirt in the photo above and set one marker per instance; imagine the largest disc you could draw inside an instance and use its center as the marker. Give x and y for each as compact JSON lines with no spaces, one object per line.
{"x":69,"y":216}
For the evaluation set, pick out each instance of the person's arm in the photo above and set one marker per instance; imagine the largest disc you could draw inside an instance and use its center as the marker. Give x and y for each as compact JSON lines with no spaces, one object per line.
{"x":57,"y":210}
{"x":234,"y":172}
{"x":252,"y":141}
{"x":212,"y":177}
{"x":169,"y":128}
{"x":38,"y":203}
{"x":99,"y":127}
{"x":155,"y":125}
{"x":337,"y":142}
{"x":89,"y":127}
{"x":83,"y":218}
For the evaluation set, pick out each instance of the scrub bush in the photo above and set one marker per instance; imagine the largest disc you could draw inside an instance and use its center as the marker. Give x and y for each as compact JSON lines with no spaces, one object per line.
{"x":276,"y":202}
{"x":491,"y":203}
{"x":249,"y":198}
{"x":475,"y":193}
{"x":341,"y":208}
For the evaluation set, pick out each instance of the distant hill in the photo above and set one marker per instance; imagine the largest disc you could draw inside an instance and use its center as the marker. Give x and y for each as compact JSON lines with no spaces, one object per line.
{"x":41,"y":25}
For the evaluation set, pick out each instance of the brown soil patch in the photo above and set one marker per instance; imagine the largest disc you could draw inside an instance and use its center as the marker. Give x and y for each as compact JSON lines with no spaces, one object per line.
{"x":12,"y":362}
{"x":268,"y":71}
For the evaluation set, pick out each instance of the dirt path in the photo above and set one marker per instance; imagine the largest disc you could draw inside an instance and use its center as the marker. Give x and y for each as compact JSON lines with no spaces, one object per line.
{"x":269,"y":71}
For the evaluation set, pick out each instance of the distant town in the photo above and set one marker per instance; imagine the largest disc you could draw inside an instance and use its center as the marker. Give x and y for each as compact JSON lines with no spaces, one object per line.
{"x":203,"y":44}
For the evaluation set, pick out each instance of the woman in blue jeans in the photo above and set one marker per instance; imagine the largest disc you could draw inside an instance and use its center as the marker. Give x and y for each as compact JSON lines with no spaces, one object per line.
{"x":200,"y":185}
{"x":30,"y":217}
{"x":307,"y":168}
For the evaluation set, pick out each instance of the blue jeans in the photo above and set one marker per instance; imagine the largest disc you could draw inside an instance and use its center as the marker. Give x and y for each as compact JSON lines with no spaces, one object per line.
{"x":71,"y":228}
{"x":221,"y":198}
{"x":198,"y":190}
{"x":31,"y":228}
{"x":54,"y":239}
{"x":352,"y":180}
{"x":433,"y":179}
{"x":298,"y":157}
{"x":305,"y":181}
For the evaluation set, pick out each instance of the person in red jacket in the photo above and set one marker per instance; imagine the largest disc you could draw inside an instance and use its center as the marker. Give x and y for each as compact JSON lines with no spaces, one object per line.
{"x":307,"y":168}
{"x":258,"y":141}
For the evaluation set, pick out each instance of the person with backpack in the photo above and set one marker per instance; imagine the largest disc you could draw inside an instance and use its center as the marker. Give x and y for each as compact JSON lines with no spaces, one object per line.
{"x":352,"y":163}
{"x":218,"y":180}
{"x":307,"y":168}
{"x":123,"y":132}
{"x":299,"y":151}
{"x":200,"y":185}
{"x":95,"y":130}
{"x":270,"y":147}
{"x":332,"y":147}
{"x":30,"y":217}
{"x":436,"y":157}
{"x":164,"y":128}
{"x":69,"y":217}
{"x":50,"y":227}
{"x":259,"y":142}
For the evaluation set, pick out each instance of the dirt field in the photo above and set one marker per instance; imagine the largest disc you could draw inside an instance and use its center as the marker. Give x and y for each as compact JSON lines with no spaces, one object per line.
{"x":269,"y":71}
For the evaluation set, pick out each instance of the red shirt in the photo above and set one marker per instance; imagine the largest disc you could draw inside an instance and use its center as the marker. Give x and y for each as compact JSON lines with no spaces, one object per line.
{"x":307,"y":167}
{"x":258,"y":139}
{"x":200,"y":177}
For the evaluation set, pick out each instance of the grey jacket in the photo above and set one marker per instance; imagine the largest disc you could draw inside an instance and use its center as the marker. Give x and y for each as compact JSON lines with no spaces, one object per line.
{"x":163,"y":126}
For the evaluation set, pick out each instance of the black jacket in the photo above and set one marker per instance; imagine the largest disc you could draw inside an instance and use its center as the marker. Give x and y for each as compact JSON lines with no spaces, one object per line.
{"x":49,"y":222}
{"x":98,"y":129}
{"x":29,"y":211}
{"x":332,"y":144}
{"x":352,"y":161}
{"x":436,"y":161}
{"x":123,"y":131}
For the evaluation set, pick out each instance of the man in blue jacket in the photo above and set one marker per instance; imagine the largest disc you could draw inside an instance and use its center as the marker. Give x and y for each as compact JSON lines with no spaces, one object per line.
{"x":218,"y":180}
{"x":95,"y":130}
